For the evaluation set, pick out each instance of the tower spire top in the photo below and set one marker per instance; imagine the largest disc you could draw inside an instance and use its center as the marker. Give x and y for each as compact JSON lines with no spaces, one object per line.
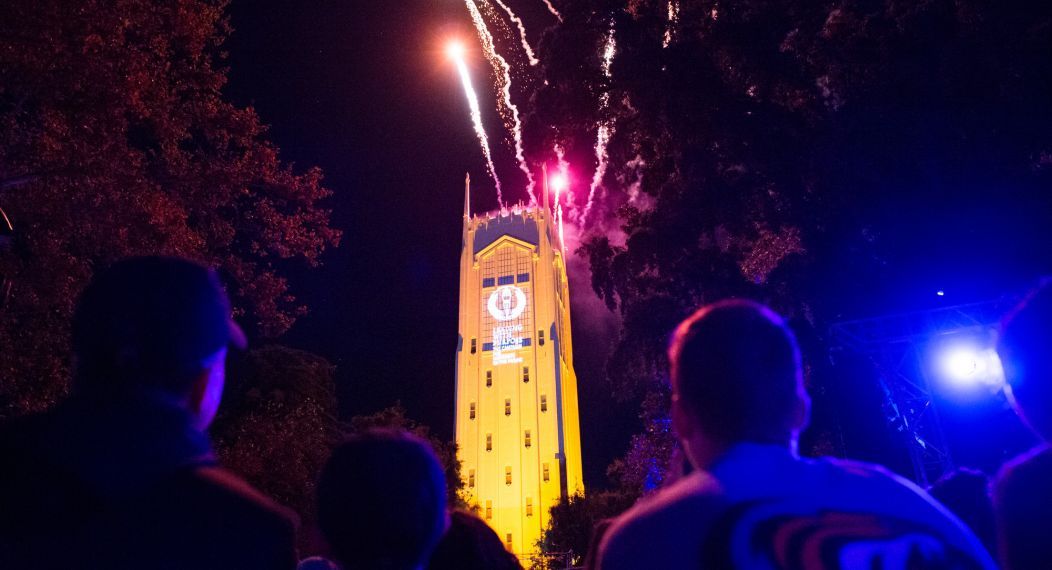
{"x":544,"y":191}
{"x":467,"y":195}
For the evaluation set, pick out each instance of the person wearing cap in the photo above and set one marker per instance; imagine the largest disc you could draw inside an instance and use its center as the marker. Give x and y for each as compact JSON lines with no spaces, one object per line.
{"x":122,"y":474}
{"x":738,"y":406}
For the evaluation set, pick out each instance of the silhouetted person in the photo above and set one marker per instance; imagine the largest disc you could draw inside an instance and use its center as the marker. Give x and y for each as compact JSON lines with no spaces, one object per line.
{"x":1023,"y":488}
{"x":738,"y":406}
{"x":382,"y":502}
{"x":122,"y":475}
{"x":470,"y":544}
{"x":966,"y":493}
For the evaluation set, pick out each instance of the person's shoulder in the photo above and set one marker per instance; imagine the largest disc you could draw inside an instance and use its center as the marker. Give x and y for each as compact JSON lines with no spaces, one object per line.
{"x":229,"y":491}
{"x":657,"y":521}
{"x":1023,"y":471}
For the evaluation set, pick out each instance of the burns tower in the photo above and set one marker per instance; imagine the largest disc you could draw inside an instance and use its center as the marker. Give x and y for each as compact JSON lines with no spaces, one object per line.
{"x":517,"y":427}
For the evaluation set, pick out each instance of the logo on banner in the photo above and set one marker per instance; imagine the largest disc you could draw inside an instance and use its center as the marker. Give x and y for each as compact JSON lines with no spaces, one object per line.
{"x":506,"y":303}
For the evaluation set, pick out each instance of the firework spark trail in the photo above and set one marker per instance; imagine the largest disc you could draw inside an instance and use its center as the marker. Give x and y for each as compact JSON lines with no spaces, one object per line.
{"x":503,"y":73}
{"x":522,"y":33}
{"x":552,"y":9}
{"x":673,"y":18}
{"x":476,"y":119}
{"x":606,"y":129}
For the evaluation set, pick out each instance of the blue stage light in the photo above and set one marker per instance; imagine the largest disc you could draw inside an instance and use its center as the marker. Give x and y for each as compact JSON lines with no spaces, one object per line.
{"x":967,"y":365}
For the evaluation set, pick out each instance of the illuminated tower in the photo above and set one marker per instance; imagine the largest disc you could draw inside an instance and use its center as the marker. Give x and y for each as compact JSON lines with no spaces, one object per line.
{"x":517,"y":425}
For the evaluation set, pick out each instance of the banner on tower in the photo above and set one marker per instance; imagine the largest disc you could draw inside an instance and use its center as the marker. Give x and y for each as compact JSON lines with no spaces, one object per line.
{"x":506,"y":305}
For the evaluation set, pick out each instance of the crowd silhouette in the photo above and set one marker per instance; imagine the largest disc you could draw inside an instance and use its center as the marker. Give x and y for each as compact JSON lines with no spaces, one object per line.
{"x":123,"y":475}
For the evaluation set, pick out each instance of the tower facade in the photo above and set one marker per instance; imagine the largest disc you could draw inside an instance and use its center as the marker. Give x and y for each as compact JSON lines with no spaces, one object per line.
{"x":517,"y":426}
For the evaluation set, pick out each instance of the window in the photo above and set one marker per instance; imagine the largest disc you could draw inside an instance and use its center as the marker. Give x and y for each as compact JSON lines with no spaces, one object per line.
{"x":528,"y":440}
{"x":505,"y":280}
{"x":529,"y":506}
{"x":507,"y":475}
{"x":525,"y":374}
{"x":489,"y":442}
{"x":487,"y":281}
{"x":544,"y":472}
{"x":507,"y":539}
{"x":544,"y":403}
{"x":540,"y":337}
{"x":507,"y":406}
{"x":522,"y":277}
{"x":489,"y":510}
{"x":474,"y":345}
{"x":487,"y":346}
{"x":489,"y":378}
{"x":471,"y":477}
{"x":471,"y":411}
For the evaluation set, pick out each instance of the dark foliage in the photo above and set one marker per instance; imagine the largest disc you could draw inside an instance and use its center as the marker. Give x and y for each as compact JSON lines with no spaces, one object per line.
{"x":824,"y":158}
{"x":115,"y":140}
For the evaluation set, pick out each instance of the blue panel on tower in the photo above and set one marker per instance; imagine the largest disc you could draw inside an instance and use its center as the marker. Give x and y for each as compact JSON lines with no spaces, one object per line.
{"x":517,"y":226}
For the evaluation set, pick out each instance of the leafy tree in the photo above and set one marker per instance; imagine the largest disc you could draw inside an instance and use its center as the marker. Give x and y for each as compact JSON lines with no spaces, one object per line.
{"x":573,"y":525}
{"x":810,"y":155}
{"x":115,"y":140}
{"x":278,"y":423}
{"x":794,"y":152}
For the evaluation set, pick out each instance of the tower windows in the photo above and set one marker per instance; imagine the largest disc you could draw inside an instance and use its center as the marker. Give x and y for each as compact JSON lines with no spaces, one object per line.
{"x":487,"y":282}
{"x":525,"y":374}
{"x":489,"y":510}
{"x":471,"y":411}
{"x":471,"y":477}
{"x":527,"y":439}
{"x":507,"y":406}
{"x":529,"y":506}
{"x":544,"y":403}
{"x":489,"y":378}
{"x":507,"y":540}
{"x":544,"y":472}
{"x":474,"y":345}
{"x":540,"y":337}
{"x":489,"y":442}
{"x":507,"y":475}
{"x":522,"y":278}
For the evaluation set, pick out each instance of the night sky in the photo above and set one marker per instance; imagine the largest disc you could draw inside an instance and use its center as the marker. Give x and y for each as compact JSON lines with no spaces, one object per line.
{"x":362,"y":89}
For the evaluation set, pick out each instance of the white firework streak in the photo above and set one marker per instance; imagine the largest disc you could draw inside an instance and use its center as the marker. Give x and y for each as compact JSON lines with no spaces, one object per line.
{"x":673,"y":17}
{"x":522,"y":33}
{"x":552,"y":9}
{"x":606,"y":129}
{"x":503,"y":73}
{"x":476,"y":119}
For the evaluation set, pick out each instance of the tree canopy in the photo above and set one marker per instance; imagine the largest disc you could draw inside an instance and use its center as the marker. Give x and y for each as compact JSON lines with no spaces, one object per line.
{"x":828,"y":159}
{"x":115,"y":140}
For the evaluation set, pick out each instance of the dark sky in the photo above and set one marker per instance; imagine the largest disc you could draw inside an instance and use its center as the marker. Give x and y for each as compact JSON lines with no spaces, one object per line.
{"x":362,"y":89}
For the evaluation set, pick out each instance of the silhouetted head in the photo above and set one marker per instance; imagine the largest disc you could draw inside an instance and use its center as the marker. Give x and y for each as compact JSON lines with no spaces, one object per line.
{"x":470,"y":544}
{"x":1025,"y":349}
{"x":382,"y":501}
{"x":155,"y":323}
{"x":736,"y":377}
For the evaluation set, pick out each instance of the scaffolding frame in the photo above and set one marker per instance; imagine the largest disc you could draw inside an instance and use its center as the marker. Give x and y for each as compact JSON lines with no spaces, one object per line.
{"x":898,"y":346}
